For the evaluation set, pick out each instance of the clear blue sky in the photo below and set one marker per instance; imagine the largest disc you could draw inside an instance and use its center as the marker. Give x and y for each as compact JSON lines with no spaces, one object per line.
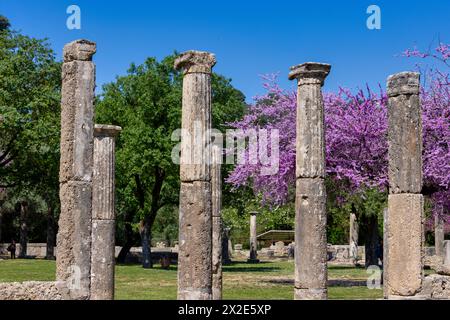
{"x":249,"y":38}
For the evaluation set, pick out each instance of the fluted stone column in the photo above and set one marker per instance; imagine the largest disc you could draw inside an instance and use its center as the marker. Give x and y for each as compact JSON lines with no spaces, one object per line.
{"x":354,"y":234}
{"x":195,"y":222}
{"x":77,"y":140}
{"x":216,"y":183}
{"x":103,"y":213}
{"x":310,"y":212}
{"x":439,"y":235}
{"x":405,"y":204}
{"x":253,"y":255}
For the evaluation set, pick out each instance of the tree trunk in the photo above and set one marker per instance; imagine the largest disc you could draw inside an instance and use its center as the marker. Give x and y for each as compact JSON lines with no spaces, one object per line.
{"x":372,"y":241}
{"x":129,"y":239}
{"x":50,"y":254}
{"x":23,"y":229}
{"x":145,"y":231}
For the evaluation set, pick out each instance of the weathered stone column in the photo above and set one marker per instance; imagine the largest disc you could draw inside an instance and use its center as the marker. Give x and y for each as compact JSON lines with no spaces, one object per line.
{"x":195,"y":223}
{"x":253,"y":256}
{"x":405,"y":205}
{"x":73,"y":265}
{"x":354,"y":233}
{"x":447,"y":253}
{"x":310,"y":212}
{"x":439,"y":235}
{"x":103,"y":213}
{"x":216,"y":183}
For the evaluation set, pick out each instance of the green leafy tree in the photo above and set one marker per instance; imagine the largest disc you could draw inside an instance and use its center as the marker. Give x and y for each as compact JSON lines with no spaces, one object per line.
{"x":4,"y":23}
{"x":146,"y":103}
{"x":29,"y":119}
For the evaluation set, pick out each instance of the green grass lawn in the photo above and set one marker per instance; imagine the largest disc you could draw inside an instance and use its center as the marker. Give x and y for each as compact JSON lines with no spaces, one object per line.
{"x":266,"y":280}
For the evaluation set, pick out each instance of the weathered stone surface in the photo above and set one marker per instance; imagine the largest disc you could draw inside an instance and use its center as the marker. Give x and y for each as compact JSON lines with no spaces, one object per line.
{"x":353,"y":237}
{"x":436,"y":287}
{"x":195,"y":156}
{"x":217,"y":258}
{"x":74,"y":238}
{"x":195,"y":62}
{"x":310,"y":70}
{"x":403,"y":83}
{"x":195,"y":242}
{"x":385,"y":251}
{"x":216,"y":185}
{"x":310,"y":238}
{"x":103,"y":261}
{"x":310,"y":215}
{"x":447,"y":252}
{"x":82,"y":50}
{"x":73,"y":265}
{"x":195,"y":224}
{"x":103,"y":192}
{"x":405,"y":140}
{"x":310,"y":159}
{"x":33,"y":290}
{"x":253,"y":252}
{"x":196,"y":120}
{"x":216,"y":182}
{"x":310,"y":294}
{"x":439,"y":235}
{"x":442,"y":269}
{"x":103,"y":212}
{"x":404,"y":240}
{"x":77,"y":126}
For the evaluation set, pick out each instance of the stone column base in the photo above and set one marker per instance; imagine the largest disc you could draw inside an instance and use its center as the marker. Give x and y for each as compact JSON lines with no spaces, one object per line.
{"x":435,"y":287}
{"x":310,"y":294}
{"x":194,"y":294}
{"x":34,"y":290}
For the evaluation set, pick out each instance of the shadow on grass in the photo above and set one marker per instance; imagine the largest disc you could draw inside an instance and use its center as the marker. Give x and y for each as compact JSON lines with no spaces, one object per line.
{"x":331,"y":283}
{"x":344,"y":267}
{"x":240,"y":266}
{"x":155,"y":266}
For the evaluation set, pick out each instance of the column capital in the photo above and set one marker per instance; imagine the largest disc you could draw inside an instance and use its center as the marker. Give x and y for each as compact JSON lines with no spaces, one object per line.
{"x":253,"y":213}
{"x":403,"y":83}
{"x":310,"y":73}
{"x":195,"y":62}
{"x":106,"y":130}
{"x":81,"y":50}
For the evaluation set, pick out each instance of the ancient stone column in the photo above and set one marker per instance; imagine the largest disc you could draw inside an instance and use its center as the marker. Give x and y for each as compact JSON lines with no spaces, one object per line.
{"x":216,"y":184}
{"x":195,"y":222}
{"x":354,"y":233}
{"x":439,"y":235}
{"x":253,"y":256}
{"x":405,"y":204}
{"x":73,"y":265}
{"x":310,"y":213}
{"x":447,"y":253}
{"x":103,"y":213}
